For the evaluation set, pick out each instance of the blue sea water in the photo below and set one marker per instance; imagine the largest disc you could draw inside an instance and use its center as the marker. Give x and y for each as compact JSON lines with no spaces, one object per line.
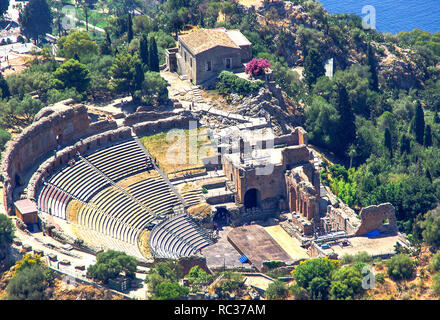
{"x":393,"y":15}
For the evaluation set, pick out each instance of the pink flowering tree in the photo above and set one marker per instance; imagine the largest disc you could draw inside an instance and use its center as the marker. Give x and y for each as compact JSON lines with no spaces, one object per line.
{"x":256,"y":67}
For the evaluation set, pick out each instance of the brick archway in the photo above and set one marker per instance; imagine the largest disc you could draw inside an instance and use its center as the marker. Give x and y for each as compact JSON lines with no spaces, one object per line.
{"x":251,"y":198}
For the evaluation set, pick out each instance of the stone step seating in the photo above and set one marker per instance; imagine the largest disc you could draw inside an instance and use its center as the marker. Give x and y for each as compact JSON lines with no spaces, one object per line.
{"x":79,"y":180}
{"x":118,"y":216}
{"x":177,"y":237}
{"x":105,"y":242}
{"x":53,"y":201}
{"x":156,"y":195}
{"x":192,"y":197}
{"x":120,"y":160}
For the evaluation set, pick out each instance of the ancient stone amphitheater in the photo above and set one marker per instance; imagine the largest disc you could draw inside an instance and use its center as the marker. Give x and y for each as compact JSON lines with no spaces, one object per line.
{"x":72,"y":163}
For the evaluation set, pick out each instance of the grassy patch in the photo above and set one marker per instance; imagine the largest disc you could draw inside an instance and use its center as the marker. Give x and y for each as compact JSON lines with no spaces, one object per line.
{"x":72,"y":210}
{"x":200,"y":210}
{"x":144,"y":246}
{"x":173,"y":153}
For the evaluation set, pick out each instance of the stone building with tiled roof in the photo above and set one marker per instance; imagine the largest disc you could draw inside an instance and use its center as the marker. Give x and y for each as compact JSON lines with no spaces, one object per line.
{"x":202,"y":54}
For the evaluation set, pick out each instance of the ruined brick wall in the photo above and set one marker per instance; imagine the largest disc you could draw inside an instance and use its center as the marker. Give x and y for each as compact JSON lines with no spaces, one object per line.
{"x":61,"y":124}
{"x":297,"y":137}
{"x":41,"y":137}
{"x":102,"y":126}
{"x":303,"y":191}
{"x":67,"y":123}
{"x":144,"y":116}
{"x":374,"y":218}
{"x":151,"y":127}
{"x":295,"y":155}
{"x":270,"y":190}
{"x":343,"y":219}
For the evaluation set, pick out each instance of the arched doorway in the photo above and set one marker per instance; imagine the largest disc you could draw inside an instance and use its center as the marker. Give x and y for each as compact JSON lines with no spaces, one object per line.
{"x":251,"y":198}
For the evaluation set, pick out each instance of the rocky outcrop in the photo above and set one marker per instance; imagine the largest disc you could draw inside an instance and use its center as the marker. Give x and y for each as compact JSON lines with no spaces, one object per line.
{"x":265,"y":105}
{"x":285,"y":22}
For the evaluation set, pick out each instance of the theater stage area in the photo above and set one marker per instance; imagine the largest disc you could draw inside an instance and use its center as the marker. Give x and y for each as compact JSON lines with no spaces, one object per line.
{"x":258,"y":245}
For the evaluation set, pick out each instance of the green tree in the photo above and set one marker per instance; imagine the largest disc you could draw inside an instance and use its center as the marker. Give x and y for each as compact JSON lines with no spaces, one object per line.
{"x":314,"y":275}
{"x":28,"y":107}
{"x":4,"y":87}
{"x":105,"y":47}
{"x":277,"y":290}
{"x":124,"y":78}
{"x":405,"y":144}
{"x":347,"y":126}
{"x":153,"y":57}
{"x":419,"y":123}
{"x":5,"y":136}
{"x":73,"y":74}
{"x":371,"y":61}
{"x":129,"y":28}
{"x":427,"y":136}
{"x":122,"y":7}
{"x":434,"y":265}
{"x":400,"y":267}
{"x":322,"y":123}
{"x":170,"y":291}
{"x":77,"y":43}
{"x":313,"y":67}
{"x":28,"y":285}
{"x":110,"y":264}
{"x":431,"y":228}
{"x":436,"y":283}
{"x":154,"y":89}
{"x":143,"y":51}
{"x":346,"y":283}
{"x":6,"y":232}
{"x":87,"y":5}
{"x":35,"y":19}
{"x":387,"y":141}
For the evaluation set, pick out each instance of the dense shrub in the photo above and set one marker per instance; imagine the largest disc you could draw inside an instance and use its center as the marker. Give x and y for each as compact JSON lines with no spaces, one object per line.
{"x":400,"y":267}
{"x":380,"y":278}
{"x":227,"y":83}
{"x":28,"y":285}
{"x":434,"y":266}
{"x":277,"y":290}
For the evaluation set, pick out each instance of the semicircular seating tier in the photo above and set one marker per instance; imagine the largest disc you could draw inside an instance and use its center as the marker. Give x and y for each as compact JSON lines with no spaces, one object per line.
{"x":178,"y":237}
{"x":121,"y":213}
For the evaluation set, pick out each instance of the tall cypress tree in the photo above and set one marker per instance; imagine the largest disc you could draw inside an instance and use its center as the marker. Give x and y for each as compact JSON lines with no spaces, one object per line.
{"x":313,"y":67}
{"x":106,"y":45}
{"x":143,"y":51}
{"x":129,"y":29}
{"x":419,"y":123}
{"x":427,"y":137}
{"x":35,"y":19}
{"x":371,"y":61}
{"x":139,"y":78}
{"x":4,"y":87}
{"x":387,"y":141}
{"x":347,"y":126}
{"x":153,"y":57}
{"x":405,"y":145}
